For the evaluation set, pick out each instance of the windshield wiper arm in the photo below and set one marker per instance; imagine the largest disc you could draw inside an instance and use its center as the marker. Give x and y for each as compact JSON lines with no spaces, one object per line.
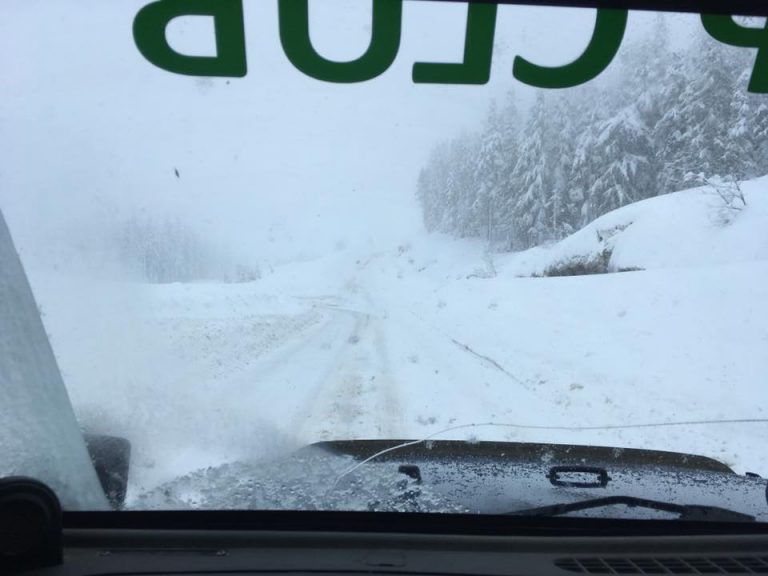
{"x":685,"y":512}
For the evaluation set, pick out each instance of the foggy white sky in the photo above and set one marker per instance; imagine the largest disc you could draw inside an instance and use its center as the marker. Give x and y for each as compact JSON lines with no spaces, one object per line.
{"x":91,"y":130}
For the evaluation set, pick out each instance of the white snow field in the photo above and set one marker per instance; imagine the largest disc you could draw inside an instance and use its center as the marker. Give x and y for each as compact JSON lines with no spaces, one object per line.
{"x":432,"y":334}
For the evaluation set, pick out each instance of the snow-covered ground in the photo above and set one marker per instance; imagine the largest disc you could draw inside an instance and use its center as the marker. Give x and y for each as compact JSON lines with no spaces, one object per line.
{"x":433,"y":334}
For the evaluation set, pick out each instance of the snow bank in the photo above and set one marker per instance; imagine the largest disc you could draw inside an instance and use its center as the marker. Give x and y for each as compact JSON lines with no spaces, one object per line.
{"x":682,"y":229}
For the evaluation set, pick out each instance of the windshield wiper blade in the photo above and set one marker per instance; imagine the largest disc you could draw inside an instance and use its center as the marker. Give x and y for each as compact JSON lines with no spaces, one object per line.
{"x":694,"y":512}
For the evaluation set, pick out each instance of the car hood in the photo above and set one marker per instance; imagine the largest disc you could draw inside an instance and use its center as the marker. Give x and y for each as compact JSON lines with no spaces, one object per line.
{"x":462,"y":477}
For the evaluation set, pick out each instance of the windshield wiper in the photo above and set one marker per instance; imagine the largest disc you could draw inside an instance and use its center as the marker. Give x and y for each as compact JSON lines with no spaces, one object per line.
{"x":694,"y":513}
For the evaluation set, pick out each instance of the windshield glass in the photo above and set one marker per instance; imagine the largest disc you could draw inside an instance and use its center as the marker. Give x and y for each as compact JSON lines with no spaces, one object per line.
{"x":236,"y":229}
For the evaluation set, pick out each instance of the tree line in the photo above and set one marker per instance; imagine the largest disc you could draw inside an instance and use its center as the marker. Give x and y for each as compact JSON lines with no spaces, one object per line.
{"x":164,"y":250}
{"x":662,"y":121}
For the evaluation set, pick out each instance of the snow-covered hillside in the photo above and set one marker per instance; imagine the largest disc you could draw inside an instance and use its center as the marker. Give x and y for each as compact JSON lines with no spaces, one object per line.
{"x":434,"y":334}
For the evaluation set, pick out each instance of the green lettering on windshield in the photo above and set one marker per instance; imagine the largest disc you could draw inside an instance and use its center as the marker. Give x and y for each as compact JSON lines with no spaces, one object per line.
{"x":478,"y":52}
{"x":606,"y":39}
{"x":726,"y":30}
{"x":297,"y":45}
{"x":149,"y":33}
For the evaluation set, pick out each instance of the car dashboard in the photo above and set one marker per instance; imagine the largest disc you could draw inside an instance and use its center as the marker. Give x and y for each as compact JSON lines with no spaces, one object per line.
{"x":404,"y":544}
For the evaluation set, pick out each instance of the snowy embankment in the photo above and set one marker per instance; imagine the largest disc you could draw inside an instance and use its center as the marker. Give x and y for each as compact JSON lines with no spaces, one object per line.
{"x":685,"y":338}
{"x":432,"y":334}
{"x":692,"y":228}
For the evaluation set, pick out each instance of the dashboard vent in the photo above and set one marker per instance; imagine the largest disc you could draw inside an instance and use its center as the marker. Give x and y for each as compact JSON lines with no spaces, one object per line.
{"x":693,"y":565}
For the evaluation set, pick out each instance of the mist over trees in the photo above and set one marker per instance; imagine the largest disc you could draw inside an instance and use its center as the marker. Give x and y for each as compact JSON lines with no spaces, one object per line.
{"x":660,"y":121}
{"x":163,"y":250}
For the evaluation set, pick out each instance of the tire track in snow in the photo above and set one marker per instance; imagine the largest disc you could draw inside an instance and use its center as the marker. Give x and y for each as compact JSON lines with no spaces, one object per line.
{"x":393,"y":410}
{"x":357,"y":397}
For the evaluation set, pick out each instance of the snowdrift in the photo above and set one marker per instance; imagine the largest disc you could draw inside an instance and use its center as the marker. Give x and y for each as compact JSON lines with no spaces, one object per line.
{"x":682,"y":229}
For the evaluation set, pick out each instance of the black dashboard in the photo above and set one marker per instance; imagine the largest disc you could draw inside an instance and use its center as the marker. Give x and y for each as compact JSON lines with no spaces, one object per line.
{"x":403,"y":544}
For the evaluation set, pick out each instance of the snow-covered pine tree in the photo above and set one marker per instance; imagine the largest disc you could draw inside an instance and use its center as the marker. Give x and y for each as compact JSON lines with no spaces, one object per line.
{"x":425,"y":196}
{"x":497,"y":150}
{"x":622,"y":155}
{"x":486,"y":175}
{"x":637,"y":132}
{"x":759,"y":132}
{"x":462,"y":190}
{"x":586,"y":117}
{"x":507,"y":191}
{"x":650,"y":75}
{"x":565,"y":123}
{"x":693,"y":135}
{"x":533,"y":179}
{"x":432,"y":186}
{"x":748,"y":131}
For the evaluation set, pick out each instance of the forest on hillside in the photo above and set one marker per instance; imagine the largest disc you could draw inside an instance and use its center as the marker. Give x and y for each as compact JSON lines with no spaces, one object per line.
{"x":660,"y":121}
{"x":164,"y":250}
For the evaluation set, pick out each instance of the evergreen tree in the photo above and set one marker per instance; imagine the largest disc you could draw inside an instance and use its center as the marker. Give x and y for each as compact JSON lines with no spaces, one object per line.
{"x":562,"y":207}
{"x":493,"y":167}
{"x":461,"y":188}
{"x":432,"y":187}
{"x":487,"y":172}
{"x":621,"y":155}
{"x":693,"y":135}
{"x":642,"y":130}
{"x":533,"y":179}
{"x":748,"y":132}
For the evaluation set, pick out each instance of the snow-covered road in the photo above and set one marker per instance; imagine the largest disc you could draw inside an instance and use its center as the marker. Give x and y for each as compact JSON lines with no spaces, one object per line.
{"x":399,"y":346}
{"x":333,"y":379}
{"x":248,"y":372}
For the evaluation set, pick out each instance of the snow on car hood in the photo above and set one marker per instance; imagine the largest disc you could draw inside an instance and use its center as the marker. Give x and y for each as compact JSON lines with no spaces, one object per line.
{"x":459,"y":477}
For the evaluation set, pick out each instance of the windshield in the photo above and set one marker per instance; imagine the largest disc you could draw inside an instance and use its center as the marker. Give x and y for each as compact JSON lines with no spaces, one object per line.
{"x":249,"y":227}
